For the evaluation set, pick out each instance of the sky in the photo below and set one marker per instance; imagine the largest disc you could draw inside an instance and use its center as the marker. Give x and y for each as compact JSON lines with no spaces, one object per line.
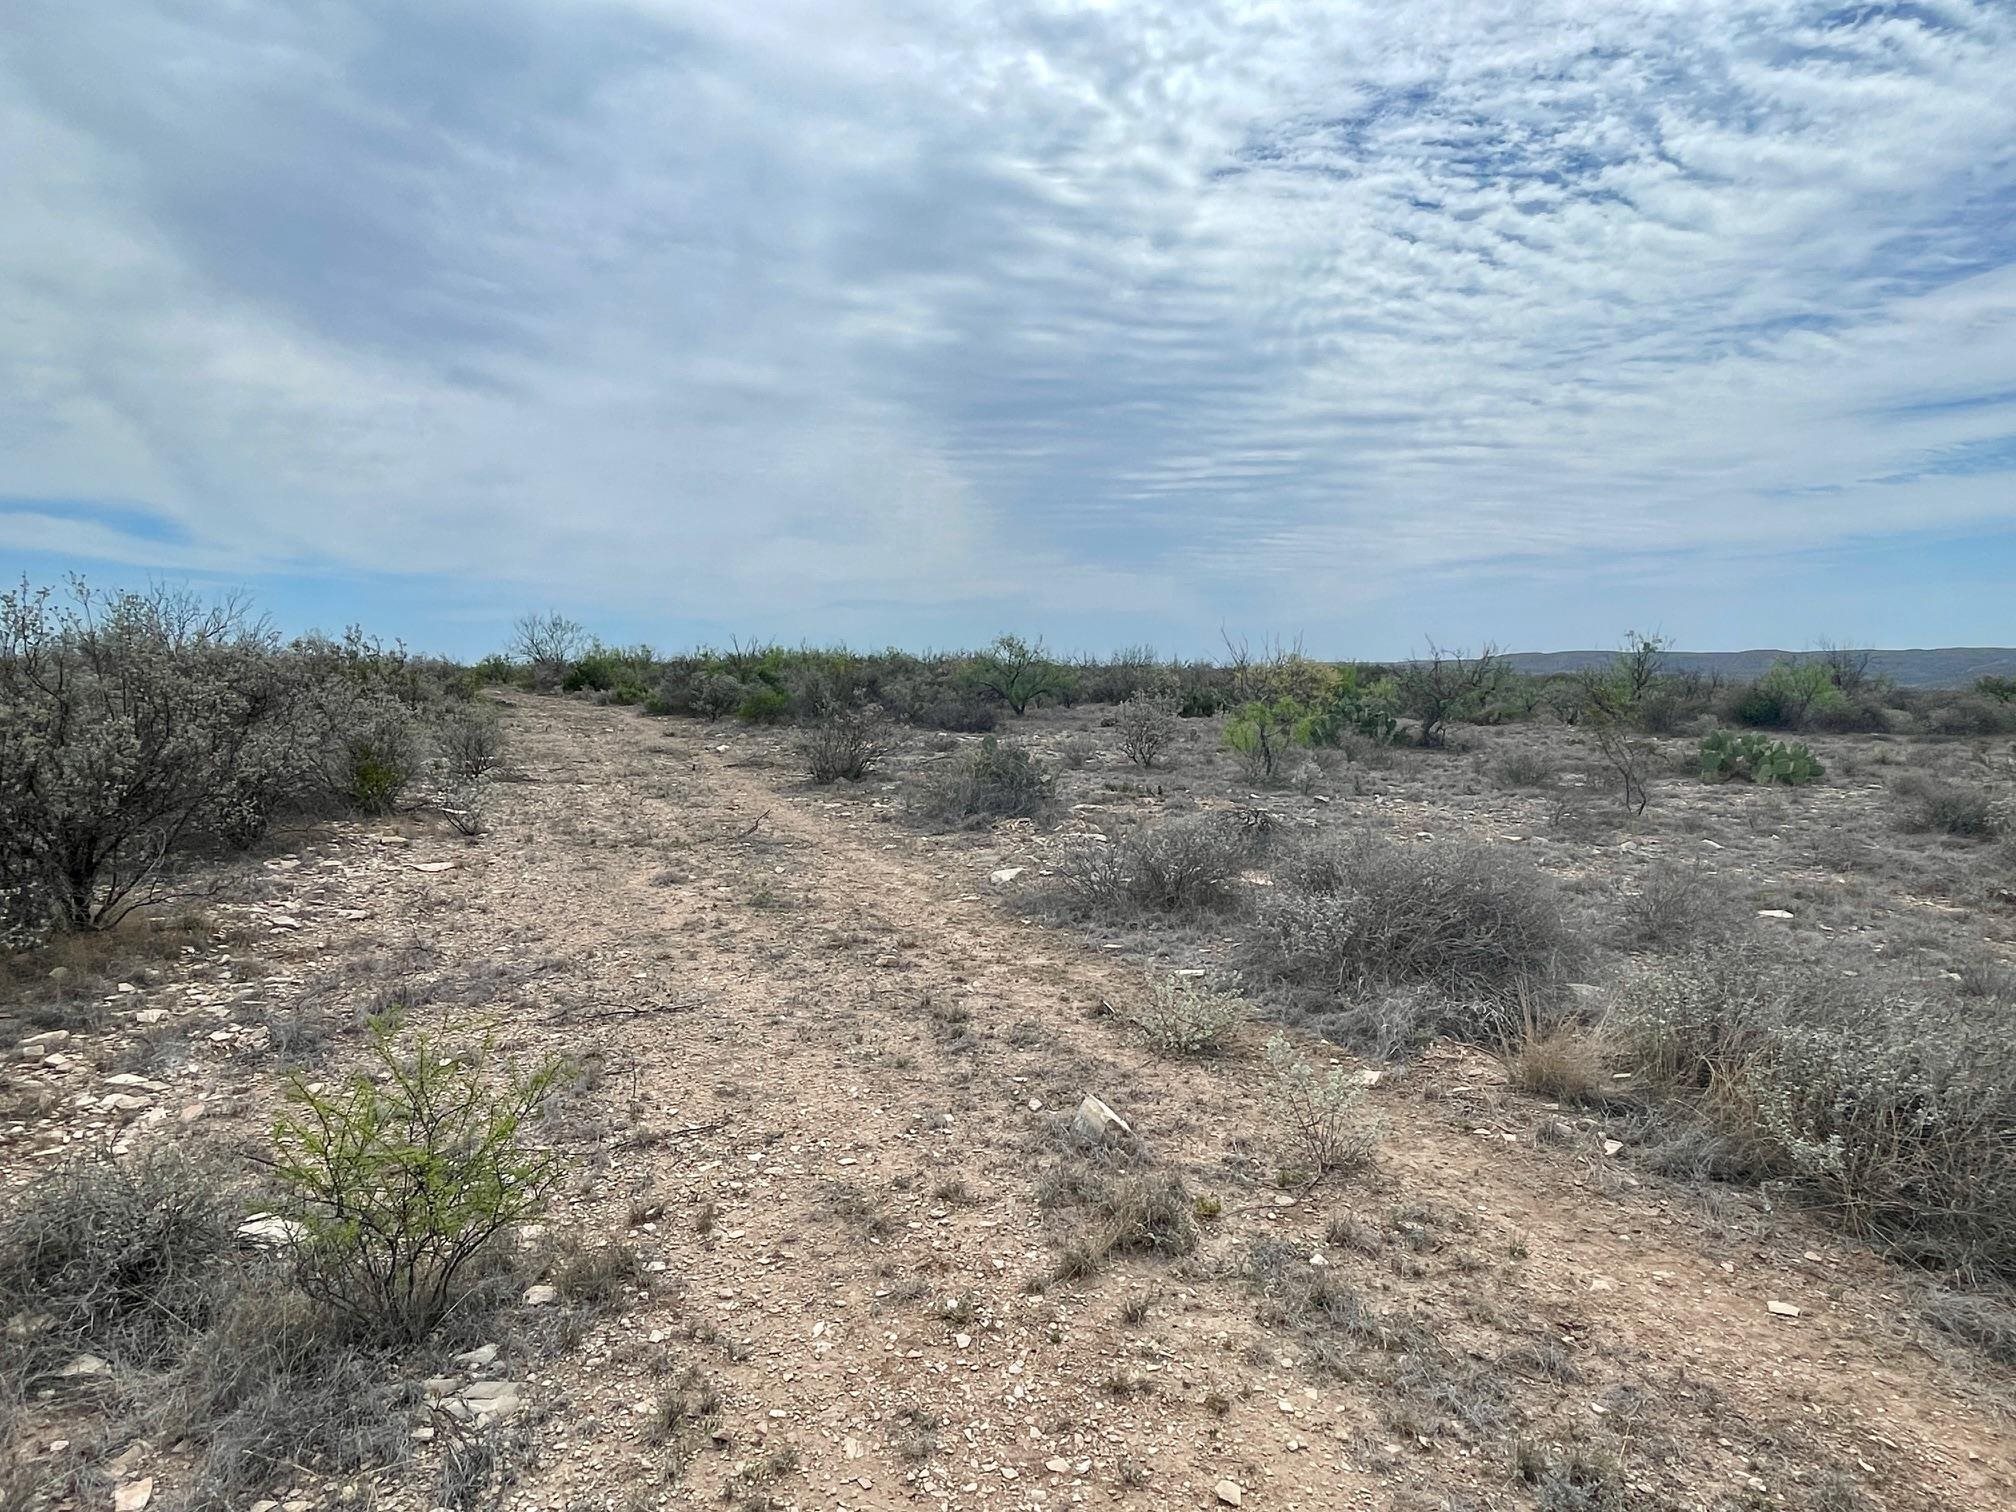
{"x":912,"y":321}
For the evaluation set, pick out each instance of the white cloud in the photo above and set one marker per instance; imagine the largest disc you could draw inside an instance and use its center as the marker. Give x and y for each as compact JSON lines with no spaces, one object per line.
{"x":1156,"y":306}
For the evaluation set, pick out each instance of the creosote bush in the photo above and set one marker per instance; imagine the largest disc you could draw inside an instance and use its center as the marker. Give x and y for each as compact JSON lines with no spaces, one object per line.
{"x":846,"y":745}
{"x":402,"y":1186}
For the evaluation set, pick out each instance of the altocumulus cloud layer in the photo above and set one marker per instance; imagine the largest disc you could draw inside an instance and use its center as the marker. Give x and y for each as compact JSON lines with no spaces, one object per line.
{"x":890,"y":318}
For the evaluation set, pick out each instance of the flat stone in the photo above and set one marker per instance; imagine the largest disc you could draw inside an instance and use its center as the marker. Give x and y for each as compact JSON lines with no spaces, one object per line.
{"x":1096,"y":1121}
{"x":268,"y":1231}
{"x":1782,"y":1309}
{"x":1005,"y":875}
{"x":1229,"y":1493}
{"x":134,"y":1495}
{"x":478,"y":1357}
{"x":85,"y":1365}
{"x":540,"y":1295}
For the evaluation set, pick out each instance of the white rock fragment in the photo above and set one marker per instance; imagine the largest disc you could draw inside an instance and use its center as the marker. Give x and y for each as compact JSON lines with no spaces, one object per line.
{"x":1095,"y":1121}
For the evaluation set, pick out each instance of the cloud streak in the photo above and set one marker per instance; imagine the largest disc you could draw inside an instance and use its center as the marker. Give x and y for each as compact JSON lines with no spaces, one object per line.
{"x":894,"y":308}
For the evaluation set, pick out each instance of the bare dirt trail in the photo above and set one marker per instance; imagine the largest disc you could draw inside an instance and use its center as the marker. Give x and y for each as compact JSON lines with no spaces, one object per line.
{"x":832,"y":1070}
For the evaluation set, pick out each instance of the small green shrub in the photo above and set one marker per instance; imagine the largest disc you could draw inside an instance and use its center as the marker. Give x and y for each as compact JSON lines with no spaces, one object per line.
{"x":402,"y":1186}
{"x":1183,"y":1018}
{"x":763,"y":704}
{"x":1726,"y":756}
{"x":1264,"y":735}
{"x":1319,"y":1110}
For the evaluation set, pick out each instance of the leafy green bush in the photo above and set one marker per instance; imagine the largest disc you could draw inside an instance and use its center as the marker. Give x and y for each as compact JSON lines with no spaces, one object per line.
{"x":1727,"y":756}
{"x":1359,"y":706}
{"x":1786,"y":696}
{"x":1264,"y":735}
{"x":763,"y":704}
{"x":1016,"y":671}
{"x":402,"y":1186}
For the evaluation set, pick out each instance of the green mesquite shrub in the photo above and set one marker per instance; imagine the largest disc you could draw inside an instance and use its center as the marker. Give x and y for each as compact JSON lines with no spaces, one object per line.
{"x":401,"y":1183}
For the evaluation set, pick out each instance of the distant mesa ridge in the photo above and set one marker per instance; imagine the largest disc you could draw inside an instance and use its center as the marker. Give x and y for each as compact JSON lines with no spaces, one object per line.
{"x":1938,"y":667}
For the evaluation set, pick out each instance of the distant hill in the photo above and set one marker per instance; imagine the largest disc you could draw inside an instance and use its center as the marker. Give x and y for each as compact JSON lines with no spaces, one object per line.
{"x":1939,"y":667}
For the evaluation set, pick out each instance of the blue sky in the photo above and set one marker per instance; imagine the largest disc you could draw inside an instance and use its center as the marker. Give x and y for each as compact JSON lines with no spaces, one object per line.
{"x":910,"y":322}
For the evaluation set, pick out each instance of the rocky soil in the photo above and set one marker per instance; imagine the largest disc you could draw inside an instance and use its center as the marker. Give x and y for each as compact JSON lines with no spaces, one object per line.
{"x":826,"y":1074}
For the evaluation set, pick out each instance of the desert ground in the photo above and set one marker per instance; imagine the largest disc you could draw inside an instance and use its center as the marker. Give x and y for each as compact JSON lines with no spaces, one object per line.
{"x":823,"y":1062}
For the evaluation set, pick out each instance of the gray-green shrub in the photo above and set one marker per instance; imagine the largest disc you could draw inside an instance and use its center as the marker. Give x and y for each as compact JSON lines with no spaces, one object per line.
{"x":1186,"y":865}
{"x":1146,"y":727}
{"x":994,"y":779}
{"x":1363,"y":913}
{"x":123,"y":1259}
{"x":131,"y":726}
{"x":845,"y":744}
{"x":1889,"y":1105}
{"x":1929,"y":804}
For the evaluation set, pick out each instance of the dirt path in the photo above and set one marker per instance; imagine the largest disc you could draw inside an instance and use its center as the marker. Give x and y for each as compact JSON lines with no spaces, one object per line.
{"x":831,"y":1074}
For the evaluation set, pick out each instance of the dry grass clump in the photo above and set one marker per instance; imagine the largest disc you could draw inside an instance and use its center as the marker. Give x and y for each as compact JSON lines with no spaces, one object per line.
{"x":1120,"y":1212}
{"x":992,"y":780}
{"x":1524,"y":767}
{"x":1184,"y":866}
{"x":1564,"y":1062}
{"x":277,"y":1383}
{"x":1182,"y":1017}
{"x":1676,"y":906}
{"x":1365,"y":914}
{"x":124,"y":1260}
{"x":1931,"y":805}
{"x":1888,"y":1105}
